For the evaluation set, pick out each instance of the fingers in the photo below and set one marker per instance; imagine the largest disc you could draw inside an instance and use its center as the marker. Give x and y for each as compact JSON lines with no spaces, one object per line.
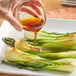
{"x":24,"y":9}
{"x":38,"y":2}
{"x":5,"y":14}
{"x":34,"y":6}
{"x":14,"y":22}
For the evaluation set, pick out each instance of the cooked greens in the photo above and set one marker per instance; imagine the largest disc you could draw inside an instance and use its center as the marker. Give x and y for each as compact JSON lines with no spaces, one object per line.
{"x":14,"y":54}
{"x":9,"y":41}
{"x":64,"y":65}
{"x":17,"y":64}
{"x":58,"y":45}
{"x":59,"y":55}
{"x":53,"y":41}
{"x":22,"y":45}
{"x":45,"y":35}
{"x":58,"y":52}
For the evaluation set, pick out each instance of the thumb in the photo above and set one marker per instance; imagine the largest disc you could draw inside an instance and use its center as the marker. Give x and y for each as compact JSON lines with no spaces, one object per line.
{"x":14,"y":22}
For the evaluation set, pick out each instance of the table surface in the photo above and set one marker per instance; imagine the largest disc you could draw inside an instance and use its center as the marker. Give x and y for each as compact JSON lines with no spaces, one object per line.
{"x":52,"y":4}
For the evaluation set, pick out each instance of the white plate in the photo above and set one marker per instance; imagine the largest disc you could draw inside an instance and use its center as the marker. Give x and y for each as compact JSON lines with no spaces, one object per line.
{"x":52,"y":25}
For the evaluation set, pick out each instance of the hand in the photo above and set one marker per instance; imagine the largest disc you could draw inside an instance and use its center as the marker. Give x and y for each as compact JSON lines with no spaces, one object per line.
{"x":6,"y":13}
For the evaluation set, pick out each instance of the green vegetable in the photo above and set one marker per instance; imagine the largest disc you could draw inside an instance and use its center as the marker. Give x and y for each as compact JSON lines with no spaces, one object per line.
{"x":59,"y":55}
{"x":42,"y":35}
{"x":16,"y":64}
{"x":26,"y":56}
{"x":61,"y":44}
{"x":28,"y":64}
{"x":25,"y":47}
{"x":25,"y":60}
{"x":14,"y":54}
{"x":55,"y":42}
{"x":22,"y":45}
{"x":9,"y":41}
{"x":64,"y":65}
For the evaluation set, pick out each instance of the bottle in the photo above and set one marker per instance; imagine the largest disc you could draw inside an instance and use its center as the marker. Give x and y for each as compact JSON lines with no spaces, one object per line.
{"x":30,"y":22}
